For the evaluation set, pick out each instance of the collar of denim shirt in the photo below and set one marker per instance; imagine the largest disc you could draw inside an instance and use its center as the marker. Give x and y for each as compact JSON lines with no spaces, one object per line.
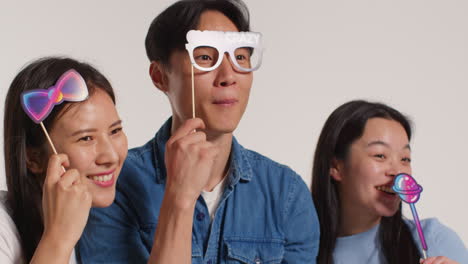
{"x":240,"y":167}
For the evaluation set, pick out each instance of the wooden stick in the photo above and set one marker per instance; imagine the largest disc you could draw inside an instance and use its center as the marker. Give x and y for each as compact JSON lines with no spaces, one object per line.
{"x":50,"y":141}
{"x":48,"y":138}
{"x":193,"y":94}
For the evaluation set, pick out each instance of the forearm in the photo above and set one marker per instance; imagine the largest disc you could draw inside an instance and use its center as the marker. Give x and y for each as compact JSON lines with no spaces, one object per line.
{"x":173,"y":237}
{"x":52,"y":251}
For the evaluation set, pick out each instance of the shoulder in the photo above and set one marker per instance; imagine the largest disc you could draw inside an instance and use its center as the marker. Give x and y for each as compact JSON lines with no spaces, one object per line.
{"x":140,"y":155}
{"x":139,"y":161}
{"x":8,"y":231}
{"x":282,"y":180}
{"x":440,"y":239}
{"x":263,"y":163}
{"x":434,"y":230}
{"x":10,"y":247}
{"x":270,"y":173}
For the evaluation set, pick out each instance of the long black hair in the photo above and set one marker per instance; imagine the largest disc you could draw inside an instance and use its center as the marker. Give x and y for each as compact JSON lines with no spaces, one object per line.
{"x":168,"y":30}
{"x":24,"y":198}
{"x":344,"y":126}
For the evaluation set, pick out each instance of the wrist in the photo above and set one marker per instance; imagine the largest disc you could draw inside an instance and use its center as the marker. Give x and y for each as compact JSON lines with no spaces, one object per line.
{"x":180,"y":200}
{"x":58,"y":242}
{"x":52,"y":249}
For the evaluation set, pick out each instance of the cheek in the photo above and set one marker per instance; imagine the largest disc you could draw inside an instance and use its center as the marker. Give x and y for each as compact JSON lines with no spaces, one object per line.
{"x":179,"y":83}
{"x":203,"y":83}
{"x":408,"y":169}
{"x":364,"y":172}
{"x":122,"y":148}
{"x":81,"y":159}
{"x":179,"y":87}
{"x":246,"y":81}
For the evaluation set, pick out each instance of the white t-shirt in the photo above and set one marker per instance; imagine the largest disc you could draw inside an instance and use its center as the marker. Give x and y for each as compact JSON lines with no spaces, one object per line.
{"x":213,"y":198}
{"x":10,"y":246}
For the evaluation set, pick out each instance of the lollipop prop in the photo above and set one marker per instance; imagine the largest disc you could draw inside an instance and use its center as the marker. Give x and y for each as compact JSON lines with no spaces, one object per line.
{"x":39,"y":103}
{"x":408,"y":190}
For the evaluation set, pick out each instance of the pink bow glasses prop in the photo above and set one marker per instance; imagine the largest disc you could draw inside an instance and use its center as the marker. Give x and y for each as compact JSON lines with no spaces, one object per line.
{"x":408,"y":190}
{"x":39,"y":103}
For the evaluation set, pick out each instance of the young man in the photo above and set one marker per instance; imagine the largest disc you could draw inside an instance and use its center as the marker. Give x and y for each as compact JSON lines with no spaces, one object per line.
{"x":193,"y":194}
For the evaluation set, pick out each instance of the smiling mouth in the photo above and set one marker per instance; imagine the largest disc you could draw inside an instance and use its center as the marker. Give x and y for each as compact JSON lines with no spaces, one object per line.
{"x":101,"y":178}
{"x":386,"y":189}
{"x":105,"y":179}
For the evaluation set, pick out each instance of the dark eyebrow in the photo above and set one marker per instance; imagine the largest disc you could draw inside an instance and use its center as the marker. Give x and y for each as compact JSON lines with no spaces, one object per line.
{"x":89,"y":130}
{"x":379,"y":142}
{"x":83,"y":131}
{"x":116,"y":123}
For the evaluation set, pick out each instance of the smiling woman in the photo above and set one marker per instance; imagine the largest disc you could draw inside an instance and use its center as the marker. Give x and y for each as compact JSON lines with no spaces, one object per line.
{"x":46,"y":208}
{"x":363,"y":146}
{"x":90,"y":133}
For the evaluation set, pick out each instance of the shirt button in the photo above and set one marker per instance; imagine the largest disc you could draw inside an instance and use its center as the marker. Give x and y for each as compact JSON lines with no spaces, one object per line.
{"x":200,"y":217}
{"x":258,"y":260}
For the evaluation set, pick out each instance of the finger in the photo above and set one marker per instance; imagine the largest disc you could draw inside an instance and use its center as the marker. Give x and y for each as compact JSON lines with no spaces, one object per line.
{"x":84,"y":178}
{"x":186,"y":128}
{"x":427,"y":261}
{"x":71,"y":177}
{"x":440,"y":260}
{"x":436,"y":260}
{"x":85,"y":194}
{"x":54,"y":168}
{"x":191,"y":139}
{"x":208,"y":151}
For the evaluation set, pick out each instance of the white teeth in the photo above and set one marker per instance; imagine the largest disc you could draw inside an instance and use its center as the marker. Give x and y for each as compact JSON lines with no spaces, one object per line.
{"x":104,"y":178}
{"x":385,"y":189}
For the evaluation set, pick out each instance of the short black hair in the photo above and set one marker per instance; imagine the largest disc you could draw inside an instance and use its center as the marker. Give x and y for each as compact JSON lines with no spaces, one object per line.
{"x":168,"y":30}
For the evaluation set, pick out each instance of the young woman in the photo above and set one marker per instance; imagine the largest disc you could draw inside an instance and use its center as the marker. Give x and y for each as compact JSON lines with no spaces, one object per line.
{"x":47,"y":207}
{"x":361,"y":148}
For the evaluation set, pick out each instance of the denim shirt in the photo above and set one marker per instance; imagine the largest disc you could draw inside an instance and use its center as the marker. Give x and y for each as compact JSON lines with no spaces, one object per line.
{"x":265,"y":215}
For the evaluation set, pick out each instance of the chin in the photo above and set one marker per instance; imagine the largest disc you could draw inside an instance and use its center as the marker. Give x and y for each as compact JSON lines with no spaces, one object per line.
{"x":222,"y":126}
{"x":387,"y":212}
{"x":101,"y":200}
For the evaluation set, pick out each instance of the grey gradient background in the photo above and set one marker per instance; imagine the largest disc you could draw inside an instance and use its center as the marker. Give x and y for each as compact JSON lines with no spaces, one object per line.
{"x":410,"y":54}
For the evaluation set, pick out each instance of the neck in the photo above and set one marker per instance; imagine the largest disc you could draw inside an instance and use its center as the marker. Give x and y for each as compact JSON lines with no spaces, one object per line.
{"x":355,"y":220}
{"x":221,"y":164}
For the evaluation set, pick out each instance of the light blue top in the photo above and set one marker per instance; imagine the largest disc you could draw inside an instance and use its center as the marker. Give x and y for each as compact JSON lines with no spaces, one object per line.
{"x":363,"y":248}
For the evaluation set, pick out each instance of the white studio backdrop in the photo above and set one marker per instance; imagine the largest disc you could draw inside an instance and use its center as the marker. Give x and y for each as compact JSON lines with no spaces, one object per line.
{"x":410,"y":54}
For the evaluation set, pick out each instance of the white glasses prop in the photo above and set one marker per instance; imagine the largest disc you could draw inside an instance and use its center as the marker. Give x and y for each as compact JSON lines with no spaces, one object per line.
{"x":207,"y":48}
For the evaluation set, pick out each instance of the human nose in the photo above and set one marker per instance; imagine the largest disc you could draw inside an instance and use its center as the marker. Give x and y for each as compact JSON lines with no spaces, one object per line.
{"x":106,"y":152}
{"x":396,"y":166}
{"x":226,"y":75}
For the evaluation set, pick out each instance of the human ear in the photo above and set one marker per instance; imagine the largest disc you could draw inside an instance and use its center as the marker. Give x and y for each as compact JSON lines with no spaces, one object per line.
{"x":158,"y":75}
{"x":34,"y":161}
{"x":336,"y":170}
